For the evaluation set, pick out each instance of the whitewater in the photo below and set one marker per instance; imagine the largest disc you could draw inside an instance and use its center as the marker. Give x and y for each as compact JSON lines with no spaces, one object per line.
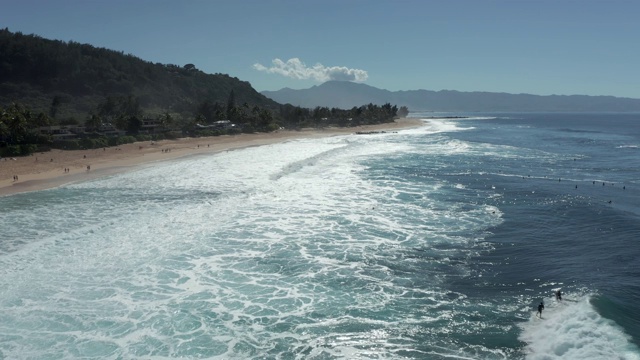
{"x":429,"y":243}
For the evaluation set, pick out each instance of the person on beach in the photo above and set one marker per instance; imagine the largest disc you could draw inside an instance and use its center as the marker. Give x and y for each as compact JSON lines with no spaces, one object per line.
{"x":540,"y":308}
{"x":559,"y":295}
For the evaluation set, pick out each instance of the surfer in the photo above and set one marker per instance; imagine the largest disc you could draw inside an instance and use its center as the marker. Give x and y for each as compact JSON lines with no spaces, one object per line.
{"x":540,"y":308}
{"x":559,"y":295}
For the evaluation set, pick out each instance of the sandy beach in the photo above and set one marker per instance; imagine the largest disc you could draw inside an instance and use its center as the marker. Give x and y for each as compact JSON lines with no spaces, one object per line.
{"x":47,"y":170}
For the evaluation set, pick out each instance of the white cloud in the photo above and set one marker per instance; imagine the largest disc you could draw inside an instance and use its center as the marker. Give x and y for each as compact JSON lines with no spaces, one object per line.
{"x":294,"y":68}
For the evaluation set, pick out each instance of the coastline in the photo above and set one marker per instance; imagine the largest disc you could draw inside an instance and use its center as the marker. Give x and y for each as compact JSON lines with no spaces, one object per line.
{"x":46,"y":170}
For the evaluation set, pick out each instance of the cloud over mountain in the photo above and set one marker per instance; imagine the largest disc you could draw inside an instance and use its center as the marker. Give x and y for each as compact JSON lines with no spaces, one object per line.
{"x":296,"y":69}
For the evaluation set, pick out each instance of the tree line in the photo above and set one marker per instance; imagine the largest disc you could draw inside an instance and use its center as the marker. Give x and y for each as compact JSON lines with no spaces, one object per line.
{"x":20,"y":135}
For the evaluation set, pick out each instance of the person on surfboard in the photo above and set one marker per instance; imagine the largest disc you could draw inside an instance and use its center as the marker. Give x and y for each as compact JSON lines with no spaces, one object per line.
{"x":540,"y":308}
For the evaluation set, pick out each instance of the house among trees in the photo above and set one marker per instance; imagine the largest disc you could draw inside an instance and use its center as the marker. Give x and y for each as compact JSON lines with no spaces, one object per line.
{"x":67,"y":132}
{"x":218,"y":125}
{"x":61,"y":132}
{"x":224,"y":124}
{"x":151,"y":126}
{"x":107,"y":129}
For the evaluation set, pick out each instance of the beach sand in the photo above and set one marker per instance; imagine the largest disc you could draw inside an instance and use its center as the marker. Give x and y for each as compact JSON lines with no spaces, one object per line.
{"x":47,"y":170}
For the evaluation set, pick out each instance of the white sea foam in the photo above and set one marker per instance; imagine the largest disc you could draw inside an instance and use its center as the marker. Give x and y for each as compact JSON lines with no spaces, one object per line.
{"x":440,"y":125}
{"x":306,"y":249}
{"x":573,"y":329}
{"x":295,"y":248}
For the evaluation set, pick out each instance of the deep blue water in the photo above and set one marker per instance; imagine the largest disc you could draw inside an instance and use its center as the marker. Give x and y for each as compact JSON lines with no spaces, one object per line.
{"x":430,"y":243}
{"x":571,"y":214}
{"x":568,"y":188}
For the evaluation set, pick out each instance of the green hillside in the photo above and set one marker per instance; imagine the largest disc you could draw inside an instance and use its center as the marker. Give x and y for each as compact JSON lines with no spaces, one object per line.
{"x":71,"y":80}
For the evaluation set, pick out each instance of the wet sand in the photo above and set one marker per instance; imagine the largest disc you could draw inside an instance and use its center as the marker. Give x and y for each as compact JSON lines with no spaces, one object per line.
{"x":47,"y":170}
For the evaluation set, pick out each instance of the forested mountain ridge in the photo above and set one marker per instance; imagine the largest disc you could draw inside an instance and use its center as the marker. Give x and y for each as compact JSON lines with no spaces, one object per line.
{"x":66,"y":95}
{"x":69,"y":79}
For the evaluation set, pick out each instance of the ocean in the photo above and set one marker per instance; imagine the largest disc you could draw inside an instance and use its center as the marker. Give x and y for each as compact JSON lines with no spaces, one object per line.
{"x":436,"y":242}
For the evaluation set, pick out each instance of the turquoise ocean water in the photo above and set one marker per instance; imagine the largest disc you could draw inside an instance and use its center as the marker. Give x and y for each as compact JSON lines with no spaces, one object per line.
{"x":429,"y":243}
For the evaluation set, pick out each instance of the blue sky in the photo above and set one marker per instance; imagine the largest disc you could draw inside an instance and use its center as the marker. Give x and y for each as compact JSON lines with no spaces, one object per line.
{"x":589,"y":47}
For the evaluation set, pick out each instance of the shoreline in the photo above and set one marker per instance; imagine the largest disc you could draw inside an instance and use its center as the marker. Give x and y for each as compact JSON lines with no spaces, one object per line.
{"x":43,"y":171}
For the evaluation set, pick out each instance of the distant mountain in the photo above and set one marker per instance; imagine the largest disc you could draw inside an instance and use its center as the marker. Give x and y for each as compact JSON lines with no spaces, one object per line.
{"x":345,"y":95}
{"x":340,"y":94}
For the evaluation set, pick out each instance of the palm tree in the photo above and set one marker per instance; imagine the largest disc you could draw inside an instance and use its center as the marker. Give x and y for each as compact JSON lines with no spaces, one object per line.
{"x":166,"y":120}
{"x":93,"y":122}
{"x":266,"y":118}
{"x":16,"y":119}
{"x":42,"y":120}
{"x":4,"y":129}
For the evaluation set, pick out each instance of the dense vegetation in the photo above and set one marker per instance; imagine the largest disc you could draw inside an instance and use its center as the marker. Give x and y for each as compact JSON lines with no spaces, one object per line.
{"x":50,"y":82}
{"x":68,"y":79}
